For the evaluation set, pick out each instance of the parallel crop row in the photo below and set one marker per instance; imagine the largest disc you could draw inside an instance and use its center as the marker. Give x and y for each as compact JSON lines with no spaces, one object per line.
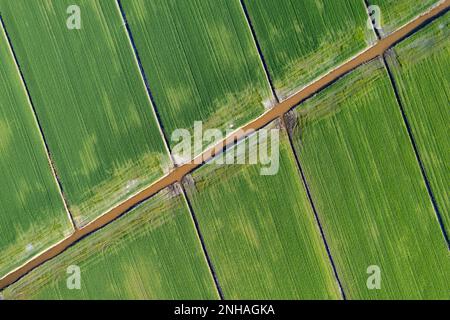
{"x":103,"y":95}
{"x":32,"y":215}
{"x":368,"y":189}
{"x":90,"y":101}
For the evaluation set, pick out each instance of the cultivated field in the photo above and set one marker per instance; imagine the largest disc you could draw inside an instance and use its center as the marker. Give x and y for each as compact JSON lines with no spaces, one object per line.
{"x":89,"y":99}
{"x":421,"y":67}
{"x":200,"y":60}
{"x":396,"y":13}
{"x":355,"y":202}
{"x":260,"y":231}
{"x":302,"y":40}
{"x":151,"y":253}
{"x":32,"y":215}
{"x":368,"y":189}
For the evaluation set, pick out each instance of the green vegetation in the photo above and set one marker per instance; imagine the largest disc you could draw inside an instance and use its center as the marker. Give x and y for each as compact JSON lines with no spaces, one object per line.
{"x":201,"y":62}
{"x":150,"y":253}
{"x":260,"y":230}
{"x":302,"y":40}
{"x":369,"y":191}
{"x":396,"y":13}
{"x":89,"y":99}
{"x":421,"y":67}
{"x":32,"y":216}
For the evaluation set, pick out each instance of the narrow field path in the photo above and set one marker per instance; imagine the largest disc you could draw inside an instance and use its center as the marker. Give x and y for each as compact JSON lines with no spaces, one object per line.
{"x":276,"y":112}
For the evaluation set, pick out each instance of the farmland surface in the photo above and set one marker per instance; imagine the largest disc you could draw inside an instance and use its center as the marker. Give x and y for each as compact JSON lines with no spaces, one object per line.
{"x":32,"y":214}
{"x":421,"y":67}
{"x":358,"y":197}
{"x":151,"y":253}
{"x":396,"y":13}
{"x":200,"y":60}
{"x":89,"y":99}
{"x":302,"y":40}
{"x":368,"y":189}
{"x":260,"y":230}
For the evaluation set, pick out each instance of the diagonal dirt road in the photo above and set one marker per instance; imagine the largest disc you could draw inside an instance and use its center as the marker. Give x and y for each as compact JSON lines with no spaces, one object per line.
{"x":276,"y":112}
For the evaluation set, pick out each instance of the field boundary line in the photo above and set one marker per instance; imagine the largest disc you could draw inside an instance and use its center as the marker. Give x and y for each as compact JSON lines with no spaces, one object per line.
{"x":313,"y":207}
{"x":144,"y":78}
{"x":202,"y":242}
{"x":260,"y":53}
{"x":38,"y":125}
{"x":277,"y":111}
{"x":418,"y":157}
{"x":411,"y":137}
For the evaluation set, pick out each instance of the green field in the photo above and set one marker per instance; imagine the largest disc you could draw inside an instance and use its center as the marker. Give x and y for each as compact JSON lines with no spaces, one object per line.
{"x":260,"y":231}
{"x":302,"y":40}
{"x":369,"y":191}
{"x":89,"y":99}
{"x":32,"y":216}
{"x":396,"y":13}
{"x":151,"y":253}
{"x":340,"y":194}
{"x":421,"y":67}
{"x":200,"y":60}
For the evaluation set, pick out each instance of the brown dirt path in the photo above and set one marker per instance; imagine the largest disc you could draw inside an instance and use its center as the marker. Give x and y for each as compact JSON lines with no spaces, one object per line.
{"x":276,"y":112}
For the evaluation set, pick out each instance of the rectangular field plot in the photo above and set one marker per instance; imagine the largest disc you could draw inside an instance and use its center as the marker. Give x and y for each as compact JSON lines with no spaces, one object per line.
{"x":396,"y":13}
{"x":150,"y":253}
{"x":90,"y":100}
{"x":369,"y":192}
{"x":201,"y":62}
{"x":421,"y":67}
{"x":260,"y":230}
{"x":32,"y":214}
{"x":302,"y":40}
